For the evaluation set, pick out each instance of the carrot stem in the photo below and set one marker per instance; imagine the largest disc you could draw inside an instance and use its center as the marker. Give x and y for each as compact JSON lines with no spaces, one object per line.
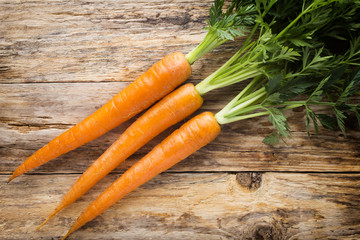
{"x":210,"y":42}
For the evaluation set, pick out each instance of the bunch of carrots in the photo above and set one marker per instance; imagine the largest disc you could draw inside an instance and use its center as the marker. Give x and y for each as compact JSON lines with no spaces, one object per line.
{"x":292,"y":55}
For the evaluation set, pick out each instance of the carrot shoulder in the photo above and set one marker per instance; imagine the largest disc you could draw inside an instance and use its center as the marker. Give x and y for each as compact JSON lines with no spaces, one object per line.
{"x":171,"y":109}
{"x":194,"y":134}
{"x":151,"y":86}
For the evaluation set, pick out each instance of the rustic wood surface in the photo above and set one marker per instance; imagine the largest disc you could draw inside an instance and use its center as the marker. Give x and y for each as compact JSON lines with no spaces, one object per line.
{"x":61,"y":60}
{"x":194,"y":206}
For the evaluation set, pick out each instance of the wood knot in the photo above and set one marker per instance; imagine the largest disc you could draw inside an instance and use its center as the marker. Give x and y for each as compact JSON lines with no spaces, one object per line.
{"x":266,"y":232}
{"x":266,"y":227}
{"x":256,"y":225}
{"x":249,"y":180}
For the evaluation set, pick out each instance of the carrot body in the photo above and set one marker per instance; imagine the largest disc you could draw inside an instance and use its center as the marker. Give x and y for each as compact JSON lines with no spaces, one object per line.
{"x":151,"y":86}
{"x":194,"y":134}
{"x":173,"y":108}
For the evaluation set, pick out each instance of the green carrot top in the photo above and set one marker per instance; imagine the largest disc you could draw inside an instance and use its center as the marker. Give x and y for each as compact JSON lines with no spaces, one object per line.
{"x":225,"y":26}
{"x":324,"y":73}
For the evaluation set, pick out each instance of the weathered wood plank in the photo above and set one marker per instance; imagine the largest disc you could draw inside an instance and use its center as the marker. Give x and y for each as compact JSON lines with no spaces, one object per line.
{"x":75,"y":55}
{"x":92,"y":41}
{"x":33,"y":114}
{"x":193,"y":206}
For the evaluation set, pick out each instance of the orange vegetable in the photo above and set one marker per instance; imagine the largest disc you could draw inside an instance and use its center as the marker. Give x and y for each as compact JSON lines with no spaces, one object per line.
{"x":161,"y":116}
{"x":194,"y":134}
{"x":151,"y":86}
{"x":170,"y":110}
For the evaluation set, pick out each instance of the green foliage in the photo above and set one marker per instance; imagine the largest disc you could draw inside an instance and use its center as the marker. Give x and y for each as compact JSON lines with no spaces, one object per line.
{"x":233,"y":22}
{"x":340,"y":118}
{"x":346,"y":85}
{"x":326,"y":121}
{"x":282,"y":130}
{"x":314,"y":54}
{"x":225,"y":26}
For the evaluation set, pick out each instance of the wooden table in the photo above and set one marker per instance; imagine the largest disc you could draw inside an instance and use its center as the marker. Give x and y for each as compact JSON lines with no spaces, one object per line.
{"x":61,"y":60}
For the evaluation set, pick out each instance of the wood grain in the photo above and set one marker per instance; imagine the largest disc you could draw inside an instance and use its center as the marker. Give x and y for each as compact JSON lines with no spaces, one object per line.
{"x":61,"y":60}
{"x":92,"y":41}
{"x":194,"y":206}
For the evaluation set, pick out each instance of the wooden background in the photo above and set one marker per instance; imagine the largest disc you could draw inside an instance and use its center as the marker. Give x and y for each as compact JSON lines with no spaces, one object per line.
{"x":61,"y":60}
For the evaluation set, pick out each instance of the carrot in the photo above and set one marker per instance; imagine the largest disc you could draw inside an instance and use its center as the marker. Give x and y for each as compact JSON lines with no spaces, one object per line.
{"x":204,"y":128}
{"x":264,"y":95}
{"x":157,"y":82}
{"x":178,"y":105}
{"x":190,"y":137}
{"x":170,"y":110}
{"x":152,"y":123}
{"x":151,"y":86}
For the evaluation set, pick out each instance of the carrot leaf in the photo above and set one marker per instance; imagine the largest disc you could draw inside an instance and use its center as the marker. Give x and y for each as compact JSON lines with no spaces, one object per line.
{"x":224,"y":26}
{"x":279,"y":122}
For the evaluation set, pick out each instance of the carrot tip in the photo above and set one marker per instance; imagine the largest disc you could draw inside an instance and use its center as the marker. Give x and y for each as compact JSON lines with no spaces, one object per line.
{"x":38,"y":228}
{"x":68,"y":233}
{"x":14,"y":175}
{"x":48,"y":218}
{"x":9,"y":180}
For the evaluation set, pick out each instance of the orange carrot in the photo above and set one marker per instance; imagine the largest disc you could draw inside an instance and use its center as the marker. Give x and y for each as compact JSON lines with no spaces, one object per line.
{"x":154,"y":84}
{"x":194,"y":134}
{"x":157,"y":82}
{"x":170,"y":110}
{"x":162,"y":115}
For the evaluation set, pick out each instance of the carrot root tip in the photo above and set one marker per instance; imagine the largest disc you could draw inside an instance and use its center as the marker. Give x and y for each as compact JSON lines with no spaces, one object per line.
{"x":38,"y":228}
{"x":10,"y":179}
{"x":68,"y":233}
{"x":49,"y":217}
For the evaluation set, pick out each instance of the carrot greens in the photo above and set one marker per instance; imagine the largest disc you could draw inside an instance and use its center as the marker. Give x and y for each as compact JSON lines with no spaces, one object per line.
{"x":325,"y":74}
{"x":224,"y":26}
